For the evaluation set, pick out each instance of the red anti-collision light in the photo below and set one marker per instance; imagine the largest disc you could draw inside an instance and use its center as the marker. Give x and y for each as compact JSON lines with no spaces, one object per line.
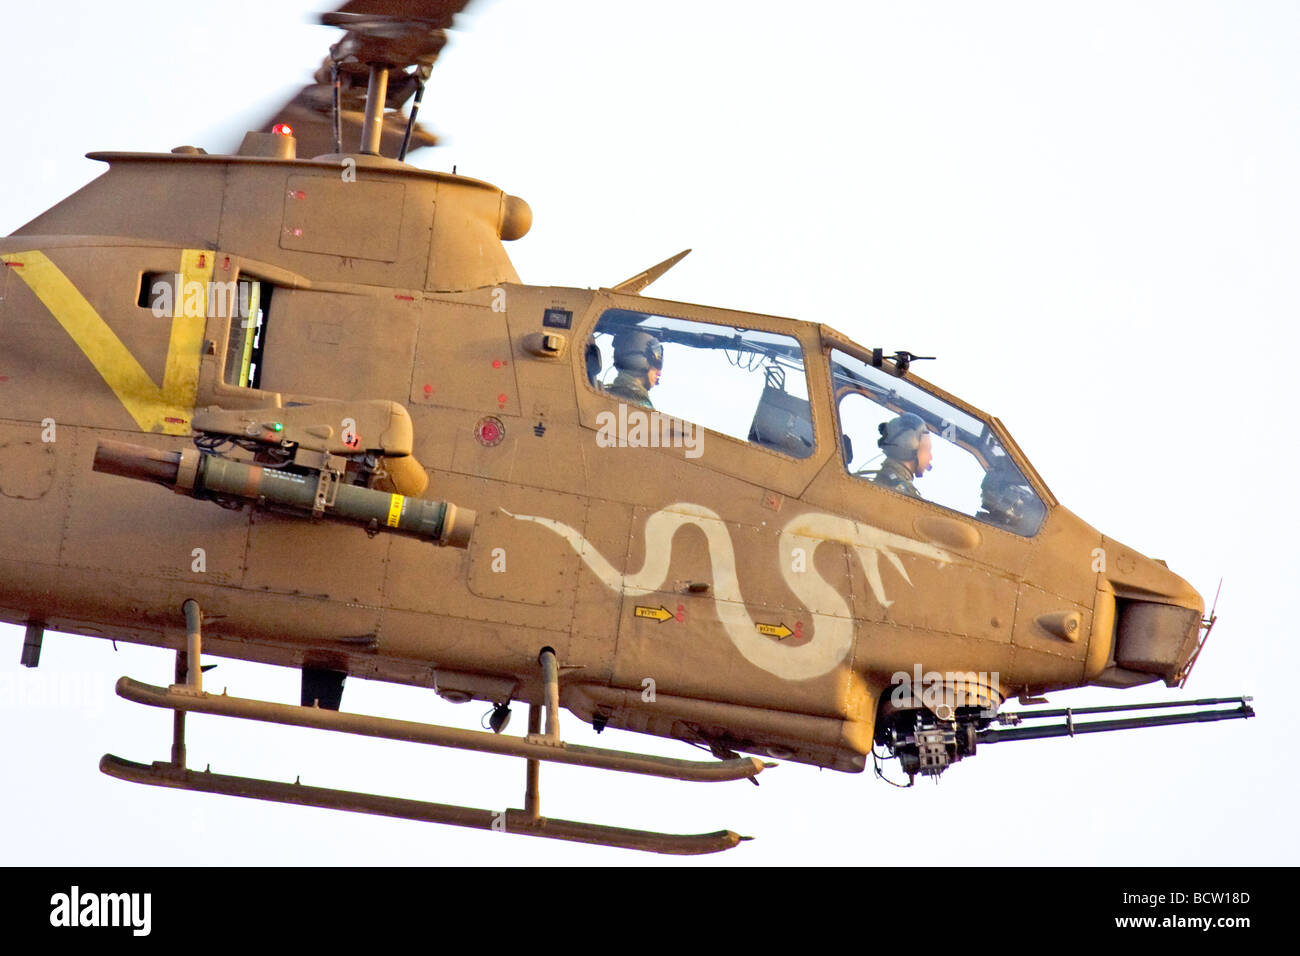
{"x":282,"y":129}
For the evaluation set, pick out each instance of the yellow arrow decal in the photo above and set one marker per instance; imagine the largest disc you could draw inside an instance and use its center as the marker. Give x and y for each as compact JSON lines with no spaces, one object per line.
{"x":779,"y":631}
{"x":659,"y":614}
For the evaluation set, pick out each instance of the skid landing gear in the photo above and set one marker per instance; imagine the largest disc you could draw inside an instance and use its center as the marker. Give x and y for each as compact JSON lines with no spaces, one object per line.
{"x":182,"y":698}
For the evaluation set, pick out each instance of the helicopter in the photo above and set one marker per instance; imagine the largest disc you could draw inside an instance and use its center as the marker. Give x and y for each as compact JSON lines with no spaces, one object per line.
{"x":475,"y":421}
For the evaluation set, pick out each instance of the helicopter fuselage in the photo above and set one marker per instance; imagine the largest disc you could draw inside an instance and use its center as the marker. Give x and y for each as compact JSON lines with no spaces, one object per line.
{"x":697,"y":586}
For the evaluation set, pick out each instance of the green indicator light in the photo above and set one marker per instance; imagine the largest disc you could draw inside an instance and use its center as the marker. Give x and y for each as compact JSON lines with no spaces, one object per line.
{"x":277,"y":427}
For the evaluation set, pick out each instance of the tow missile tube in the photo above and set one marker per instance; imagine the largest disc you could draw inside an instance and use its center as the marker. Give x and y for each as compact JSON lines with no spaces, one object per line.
{"x":302,"y":492}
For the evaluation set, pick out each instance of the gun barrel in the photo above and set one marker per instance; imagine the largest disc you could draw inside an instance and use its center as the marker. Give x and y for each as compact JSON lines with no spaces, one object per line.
{"x":1071,"y":729}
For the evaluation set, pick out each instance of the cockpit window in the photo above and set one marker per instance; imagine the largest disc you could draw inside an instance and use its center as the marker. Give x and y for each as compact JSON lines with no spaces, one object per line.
{"x":898,"y":436}
{"x":745,"y":383}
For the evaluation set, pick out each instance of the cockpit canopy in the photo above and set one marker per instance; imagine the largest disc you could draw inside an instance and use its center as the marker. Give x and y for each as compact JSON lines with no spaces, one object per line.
{"x":970,"y":470}
{"x":745,"y":383}
{"x":752,"y":385}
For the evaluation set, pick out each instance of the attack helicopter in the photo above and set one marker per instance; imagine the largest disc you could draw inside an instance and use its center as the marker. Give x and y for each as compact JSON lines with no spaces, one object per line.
{"x":365,"y":399}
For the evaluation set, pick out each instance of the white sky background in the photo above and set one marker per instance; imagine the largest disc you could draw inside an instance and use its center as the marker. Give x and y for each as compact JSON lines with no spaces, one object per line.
{"x":1088,"y":211}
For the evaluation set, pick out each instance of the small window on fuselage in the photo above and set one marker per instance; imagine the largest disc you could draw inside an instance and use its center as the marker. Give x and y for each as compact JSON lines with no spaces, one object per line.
{"x":247,"y":343}
{"x":156,"y":291}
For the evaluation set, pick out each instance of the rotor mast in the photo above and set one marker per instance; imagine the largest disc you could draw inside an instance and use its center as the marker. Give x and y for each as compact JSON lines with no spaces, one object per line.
{"x":356,"y":98}
{"x":372,"y":127}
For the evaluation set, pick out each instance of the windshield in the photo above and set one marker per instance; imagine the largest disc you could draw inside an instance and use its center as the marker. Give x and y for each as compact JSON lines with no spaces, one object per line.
{"x":908,"y":441}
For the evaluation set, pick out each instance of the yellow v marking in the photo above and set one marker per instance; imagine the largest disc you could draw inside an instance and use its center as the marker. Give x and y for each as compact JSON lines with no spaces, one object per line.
{"x":166,"y":409}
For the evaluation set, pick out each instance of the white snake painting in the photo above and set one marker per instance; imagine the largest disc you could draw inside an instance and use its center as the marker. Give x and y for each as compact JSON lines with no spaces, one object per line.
{"x":832,"y":620}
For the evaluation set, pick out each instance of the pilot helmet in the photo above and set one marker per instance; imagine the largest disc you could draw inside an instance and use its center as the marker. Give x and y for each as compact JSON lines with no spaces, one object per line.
{"x":1009,"y":501}
{"x":637,"y":351}
{"x":901,"y":437}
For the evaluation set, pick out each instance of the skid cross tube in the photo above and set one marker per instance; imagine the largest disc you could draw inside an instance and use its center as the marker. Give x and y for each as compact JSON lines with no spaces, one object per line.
{"x":189,"y":672}
{"x":551,"y":682}
{"x":533,"y":773}
{"x":178,"y":716}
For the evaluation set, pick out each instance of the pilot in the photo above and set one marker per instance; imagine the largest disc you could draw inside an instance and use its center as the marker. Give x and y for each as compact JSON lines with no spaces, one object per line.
{"x":639,"y":358}
{"x":905,"y":441}
{"x":1008,"y":501}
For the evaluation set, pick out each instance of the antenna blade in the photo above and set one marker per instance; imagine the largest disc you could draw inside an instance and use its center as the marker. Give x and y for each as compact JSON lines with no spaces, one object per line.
{"x":643,"y":279}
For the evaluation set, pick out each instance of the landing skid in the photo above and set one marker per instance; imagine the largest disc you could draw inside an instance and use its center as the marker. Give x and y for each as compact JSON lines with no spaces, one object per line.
{"x":161,"y":774}
{"x":187,"y":695}
{"x":533,"y":747}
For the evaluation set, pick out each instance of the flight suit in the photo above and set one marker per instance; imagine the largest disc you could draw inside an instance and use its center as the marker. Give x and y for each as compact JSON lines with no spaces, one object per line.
{"x":629,"y":387}
{"x":896,"y":476}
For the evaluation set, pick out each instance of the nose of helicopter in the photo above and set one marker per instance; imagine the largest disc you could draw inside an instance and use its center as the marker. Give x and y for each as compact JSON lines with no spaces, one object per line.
{"x":1155,"y":620}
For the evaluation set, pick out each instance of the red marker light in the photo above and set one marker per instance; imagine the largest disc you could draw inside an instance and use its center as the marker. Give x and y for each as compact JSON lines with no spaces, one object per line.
{"x":282,"y":129}
{"x":489,"y":432}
